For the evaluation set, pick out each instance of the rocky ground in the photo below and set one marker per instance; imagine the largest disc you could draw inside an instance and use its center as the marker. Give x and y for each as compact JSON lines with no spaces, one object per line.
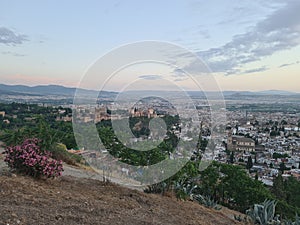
{"x":78,"y":200}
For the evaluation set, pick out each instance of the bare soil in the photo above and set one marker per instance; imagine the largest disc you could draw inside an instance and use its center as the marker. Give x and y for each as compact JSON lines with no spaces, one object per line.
{"x":79,"y":200}
{"x":70,"y":200}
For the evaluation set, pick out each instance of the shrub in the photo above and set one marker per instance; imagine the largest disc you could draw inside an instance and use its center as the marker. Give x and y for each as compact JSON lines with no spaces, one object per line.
{"x":297,"y":221}
{"x":185,"y":190}
{"x":28,"y":159}
{"x":158,"y":188}
{"x":60,"y":152}
{"x":207,"y":201}
{"x":264,"y":214}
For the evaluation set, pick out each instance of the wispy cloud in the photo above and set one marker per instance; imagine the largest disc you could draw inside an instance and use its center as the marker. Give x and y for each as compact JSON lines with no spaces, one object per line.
{"x":279,"y":31}
{"x":8,"y":37}
{"x":256,"y":70}
{"x":179,"y":73}
{"x":150,"y":77}
{"x":181,"y":79}
{"x":288,"y":64}
{"x":12,"y":53}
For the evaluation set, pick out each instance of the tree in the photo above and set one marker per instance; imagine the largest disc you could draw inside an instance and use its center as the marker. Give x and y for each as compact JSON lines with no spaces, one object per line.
{"x":131,"y":156}
{"x":231,"y":160}
{"x":209,"y":180}
{"x":278,"y":188}
{"x":288,"y":194}
{"x":282,"y":167}
{"x":241,"y":191}
{"x":241,"y":160}
{"x":274,"y":133}
{"x":292,"y":190}
{"x":249,"y":163}
{"x":279,"y":156}
{"x":12,"y":137}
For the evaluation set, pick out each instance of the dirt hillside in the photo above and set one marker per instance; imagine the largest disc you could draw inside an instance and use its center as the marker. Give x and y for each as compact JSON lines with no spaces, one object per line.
{"x":76,"y":199}
{"x":70,"y":200}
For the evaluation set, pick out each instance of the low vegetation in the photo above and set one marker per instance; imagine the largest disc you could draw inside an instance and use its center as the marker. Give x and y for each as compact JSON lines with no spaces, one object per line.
{"x":28,"y":159}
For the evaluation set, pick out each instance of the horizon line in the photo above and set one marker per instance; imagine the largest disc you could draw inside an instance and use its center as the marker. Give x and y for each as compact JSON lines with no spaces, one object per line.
{"x":91,"y":89}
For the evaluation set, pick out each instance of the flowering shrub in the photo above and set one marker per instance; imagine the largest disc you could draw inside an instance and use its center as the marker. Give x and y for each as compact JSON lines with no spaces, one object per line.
{"x":28,"y":159}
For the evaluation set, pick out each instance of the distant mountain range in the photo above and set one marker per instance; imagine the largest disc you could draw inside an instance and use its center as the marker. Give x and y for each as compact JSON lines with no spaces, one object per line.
{"x":277,"y":92}
{"x":42,"y":90}
{"x":249,"y":93}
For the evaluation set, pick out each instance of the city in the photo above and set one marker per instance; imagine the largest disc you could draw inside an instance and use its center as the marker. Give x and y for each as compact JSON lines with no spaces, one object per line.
{"x":150,"y":112}
{"x":271,"y":140}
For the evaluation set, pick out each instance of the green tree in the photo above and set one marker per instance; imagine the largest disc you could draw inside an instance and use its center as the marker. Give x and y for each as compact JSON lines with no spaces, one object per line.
{"x":209,"y":179}
{"x":232,"y":186}
{"x":282,"y":167}
{"x":292,"y":189}
{"x":231,"y":159}
{"x":12,"y":137}
{"x":249,"y":163}
{"x":278,"y":188}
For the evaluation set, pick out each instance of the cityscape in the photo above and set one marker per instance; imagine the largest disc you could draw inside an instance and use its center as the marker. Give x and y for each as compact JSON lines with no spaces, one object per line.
{"x":150,"y":112}
{"x":269,"y":137}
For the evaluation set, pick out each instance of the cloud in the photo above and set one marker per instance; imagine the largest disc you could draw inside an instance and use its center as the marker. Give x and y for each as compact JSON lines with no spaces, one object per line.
{"x":8,"y":36}
{"x":150,"y":77}
{"x":279,"y":31}
{"x":288,"y":64}
{"x":12,"y":53}
{"x":179,"y":73}
{"x":256,"y":70}
{"x":181,"y":79}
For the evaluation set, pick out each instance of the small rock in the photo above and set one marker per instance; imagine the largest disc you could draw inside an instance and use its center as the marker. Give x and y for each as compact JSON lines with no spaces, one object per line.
{"x":58,"y":217}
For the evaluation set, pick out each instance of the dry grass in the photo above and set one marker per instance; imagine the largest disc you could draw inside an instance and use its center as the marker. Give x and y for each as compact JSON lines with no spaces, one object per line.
{"x":70,"y":200}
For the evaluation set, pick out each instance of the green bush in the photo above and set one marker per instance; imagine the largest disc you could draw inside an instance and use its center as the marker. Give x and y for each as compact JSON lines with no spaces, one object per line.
{"x":60,"y":152}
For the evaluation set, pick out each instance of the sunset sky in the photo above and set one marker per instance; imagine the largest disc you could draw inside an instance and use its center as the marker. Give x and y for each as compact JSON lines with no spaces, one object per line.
{"x":248,"y":45}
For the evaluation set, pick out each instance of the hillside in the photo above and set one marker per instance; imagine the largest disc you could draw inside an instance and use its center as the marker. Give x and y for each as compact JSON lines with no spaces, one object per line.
{"x":78,"y":199}
{"x":74,"y":200}
{"x":71,"y":200}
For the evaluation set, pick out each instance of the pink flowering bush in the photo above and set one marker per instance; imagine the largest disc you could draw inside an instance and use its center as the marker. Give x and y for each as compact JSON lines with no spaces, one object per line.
{"x":28,"y":159}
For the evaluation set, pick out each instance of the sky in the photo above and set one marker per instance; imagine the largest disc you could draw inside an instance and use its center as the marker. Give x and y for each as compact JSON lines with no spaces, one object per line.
{"x":248,"y":45}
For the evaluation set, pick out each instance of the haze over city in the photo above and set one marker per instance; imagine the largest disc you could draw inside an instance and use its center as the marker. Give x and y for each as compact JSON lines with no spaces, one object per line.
{"x":248,"y":45}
